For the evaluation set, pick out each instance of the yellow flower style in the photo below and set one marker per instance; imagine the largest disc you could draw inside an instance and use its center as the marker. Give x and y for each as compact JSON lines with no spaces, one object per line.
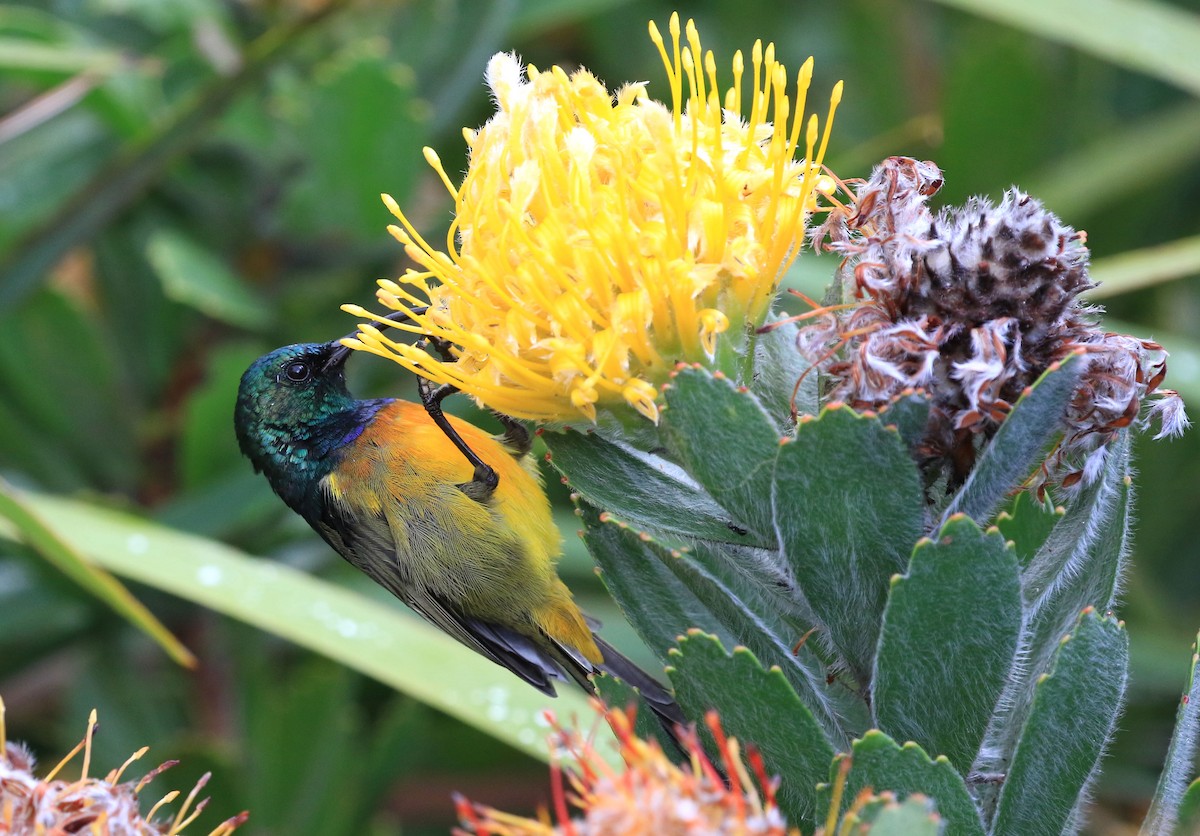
{"x":600,"y":238}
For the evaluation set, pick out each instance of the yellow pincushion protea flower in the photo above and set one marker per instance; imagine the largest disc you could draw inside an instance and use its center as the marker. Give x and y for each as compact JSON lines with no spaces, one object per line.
{"x":601,"y":238}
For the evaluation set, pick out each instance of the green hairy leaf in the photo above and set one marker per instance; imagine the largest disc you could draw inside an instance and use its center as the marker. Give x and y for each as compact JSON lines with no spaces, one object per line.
{"x":726,"y":441}
{"x":848,"y":504}
{"x":777,"y":369}
{"x":1077,"y":566}
{"x":758,"y":707}
{"x":1019,"y":444}
{"x":879,"y":763}
{"x":1027,"y":525}
{"x":695,"y":591}
{"x":949,"y":635}
{"x":640,"y":488}
{"x":910,"y":416}
{"x":1074,"y":711}
{"x":1165,"y":810}
{"x":915,"y":816}
{"x":911,"y":817}
{"x":1189,"y":809}
{"x":658,"y":604}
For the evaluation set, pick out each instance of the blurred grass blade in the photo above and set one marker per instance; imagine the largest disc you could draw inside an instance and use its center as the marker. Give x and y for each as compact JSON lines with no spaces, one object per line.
{"x":45,"y":107}
{"x":140,"y":164}
{"x":494,"y":19}
{"x":1149,"y":37}
{"x":39,"y":536}
{"x":536,"y":17}
{"x":374,"y":638}
{"x":1163,"y":818}
{"x":1099,"y":175}
{"x":1147,"y":267}
{"x":25,"y":54}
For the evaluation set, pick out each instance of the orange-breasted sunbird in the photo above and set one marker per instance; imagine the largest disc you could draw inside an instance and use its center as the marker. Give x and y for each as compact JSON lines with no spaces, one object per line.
{"x":471,"y":548}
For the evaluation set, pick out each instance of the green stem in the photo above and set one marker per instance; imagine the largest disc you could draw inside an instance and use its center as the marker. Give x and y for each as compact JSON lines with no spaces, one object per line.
{"x":40,"y":537}
{"x":747,"y":374}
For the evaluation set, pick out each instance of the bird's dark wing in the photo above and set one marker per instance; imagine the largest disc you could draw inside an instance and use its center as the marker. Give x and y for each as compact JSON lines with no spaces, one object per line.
{"x":366,"y":542}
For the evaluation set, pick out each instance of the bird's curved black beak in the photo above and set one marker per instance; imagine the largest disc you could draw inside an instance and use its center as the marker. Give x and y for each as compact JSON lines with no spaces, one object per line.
{"x":337,"y":357}
{"x":339,"y":354}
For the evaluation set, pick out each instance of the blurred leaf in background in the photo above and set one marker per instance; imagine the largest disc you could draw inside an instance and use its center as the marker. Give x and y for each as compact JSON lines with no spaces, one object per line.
{"x":185,"y":185}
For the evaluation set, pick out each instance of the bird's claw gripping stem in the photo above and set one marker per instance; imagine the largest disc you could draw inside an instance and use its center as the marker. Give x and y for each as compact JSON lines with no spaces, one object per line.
{"x":484,"y":479}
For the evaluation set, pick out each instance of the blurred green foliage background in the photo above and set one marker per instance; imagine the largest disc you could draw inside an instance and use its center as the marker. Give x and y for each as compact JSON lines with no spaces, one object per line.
{"x":186,"y":184}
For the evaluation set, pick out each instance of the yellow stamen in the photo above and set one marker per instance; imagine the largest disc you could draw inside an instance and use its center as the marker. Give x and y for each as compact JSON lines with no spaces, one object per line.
{"x":66,"y":760}
{"x":166,"y":799}
{"x":181,"y":819}
{"x":87,"y":744}
{"x":114,"y":777}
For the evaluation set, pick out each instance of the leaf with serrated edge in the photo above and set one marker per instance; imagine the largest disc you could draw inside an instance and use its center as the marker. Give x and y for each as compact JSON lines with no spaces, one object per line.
{"x":725,"y":439}
{"x":948,"y":641}
{"x":659,"y":606}
{"x":757,"y":627}
{"x":1027,"y":525}
{"x":1078,"y":566}
{"x":665,"y":593}
{"x":1163,"y":816}
{"x":1019,"y":444}
{"x":757,"y":707}
{"x":909,"y":414}
{"x":639,"y":487}
{"x":1073,"y":714}
{"x":849,"y":507}
{"x":882,"y":765}
{"x":914,"y":816}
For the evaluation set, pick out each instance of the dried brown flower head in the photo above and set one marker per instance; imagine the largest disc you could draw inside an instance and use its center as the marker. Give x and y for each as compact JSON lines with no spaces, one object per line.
{"x":972,"y":304}
{"x":98,"y":806}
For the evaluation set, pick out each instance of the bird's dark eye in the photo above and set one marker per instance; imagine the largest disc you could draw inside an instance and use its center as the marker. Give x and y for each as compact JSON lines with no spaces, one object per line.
{"x":297,"y":372}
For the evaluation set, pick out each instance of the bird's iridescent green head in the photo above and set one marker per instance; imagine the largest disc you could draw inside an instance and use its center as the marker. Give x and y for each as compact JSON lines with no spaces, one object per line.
{"x":292,"y":408}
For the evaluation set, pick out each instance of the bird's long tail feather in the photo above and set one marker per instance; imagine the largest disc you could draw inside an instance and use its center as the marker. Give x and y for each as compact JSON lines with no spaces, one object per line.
{"x":657,"y":697}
